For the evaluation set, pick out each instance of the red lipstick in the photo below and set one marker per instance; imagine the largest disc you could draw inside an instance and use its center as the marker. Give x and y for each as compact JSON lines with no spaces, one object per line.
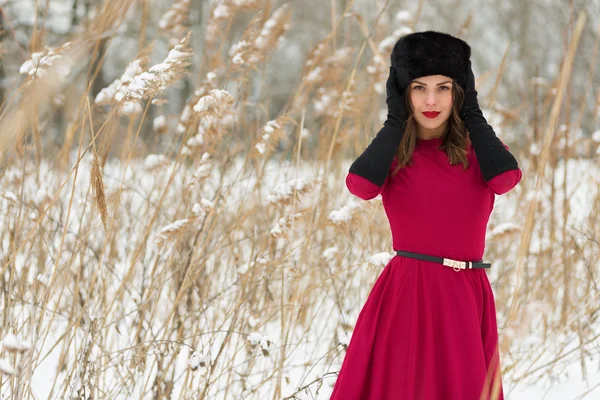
{"x":431,"y":114}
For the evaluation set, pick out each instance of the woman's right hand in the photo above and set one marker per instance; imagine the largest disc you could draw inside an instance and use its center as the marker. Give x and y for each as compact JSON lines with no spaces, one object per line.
{"x":395,"y":96}
{"x":470,"y":104}
{"x":375,"y":161}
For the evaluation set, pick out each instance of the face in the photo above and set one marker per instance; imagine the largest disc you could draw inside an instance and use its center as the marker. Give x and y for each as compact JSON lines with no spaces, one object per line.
{"x":431,"y":98}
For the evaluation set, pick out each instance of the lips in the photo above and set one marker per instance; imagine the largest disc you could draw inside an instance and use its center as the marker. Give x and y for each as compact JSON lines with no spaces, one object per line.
{"x":431,"y":114}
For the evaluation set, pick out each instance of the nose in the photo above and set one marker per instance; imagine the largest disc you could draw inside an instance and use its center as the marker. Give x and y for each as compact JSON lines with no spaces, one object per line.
{"x":431,"y":99}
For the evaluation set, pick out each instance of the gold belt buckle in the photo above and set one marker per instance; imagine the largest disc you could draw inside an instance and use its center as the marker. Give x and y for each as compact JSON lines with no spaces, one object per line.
{"x":456,"y":265}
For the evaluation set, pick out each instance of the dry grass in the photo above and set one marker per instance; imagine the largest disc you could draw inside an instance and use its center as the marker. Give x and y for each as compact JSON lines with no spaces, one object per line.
{"x":217,"y":269}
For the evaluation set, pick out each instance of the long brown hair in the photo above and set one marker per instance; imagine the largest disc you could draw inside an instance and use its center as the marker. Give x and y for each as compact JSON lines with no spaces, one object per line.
{"x":454,"y":139}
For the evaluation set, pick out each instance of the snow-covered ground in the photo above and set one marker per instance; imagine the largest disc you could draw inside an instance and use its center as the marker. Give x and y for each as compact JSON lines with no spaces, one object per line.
{"x":313,"y":352}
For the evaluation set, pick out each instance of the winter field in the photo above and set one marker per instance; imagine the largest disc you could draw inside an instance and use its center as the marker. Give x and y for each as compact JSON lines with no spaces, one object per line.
{"x":209,"y":248}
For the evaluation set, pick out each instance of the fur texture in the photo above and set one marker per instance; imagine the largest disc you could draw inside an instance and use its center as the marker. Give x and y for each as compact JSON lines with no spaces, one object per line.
{"x":431,"y":53}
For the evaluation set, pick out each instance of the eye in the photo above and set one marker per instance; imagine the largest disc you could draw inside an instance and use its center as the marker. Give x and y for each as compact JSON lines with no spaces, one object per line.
{"x":418,"y":87}
{"x":444,"y":88}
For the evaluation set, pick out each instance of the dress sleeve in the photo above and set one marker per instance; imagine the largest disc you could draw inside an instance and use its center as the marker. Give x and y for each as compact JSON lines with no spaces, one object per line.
{"x":365,"y":189}
{"x":506,"y":180}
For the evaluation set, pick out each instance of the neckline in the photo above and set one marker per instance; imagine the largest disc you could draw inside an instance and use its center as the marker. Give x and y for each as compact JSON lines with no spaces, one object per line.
{"x":435,"y":142}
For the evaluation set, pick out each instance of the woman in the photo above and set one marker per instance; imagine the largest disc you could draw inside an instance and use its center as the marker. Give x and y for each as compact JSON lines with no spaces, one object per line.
{"x":428,"y":328}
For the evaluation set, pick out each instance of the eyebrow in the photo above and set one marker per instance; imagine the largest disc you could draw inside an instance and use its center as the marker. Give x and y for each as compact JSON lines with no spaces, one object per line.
{"x":442,"y":83}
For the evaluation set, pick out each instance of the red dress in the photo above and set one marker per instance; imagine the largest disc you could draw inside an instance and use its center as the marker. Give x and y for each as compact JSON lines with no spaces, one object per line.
{"x":426,"y":331}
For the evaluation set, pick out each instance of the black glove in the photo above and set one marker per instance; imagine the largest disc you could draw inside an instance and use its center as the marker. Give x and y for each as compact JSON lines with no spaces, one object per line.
{"x":492,"y":156}
{"x":375,"y":162}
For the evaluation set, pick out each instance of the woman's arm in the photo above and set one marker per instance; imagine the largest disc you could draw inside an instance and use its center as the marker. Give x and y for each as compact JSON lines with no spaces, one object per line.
{"x":505,"y":181}
{"x":364,"y":188}
{"x":493,"y":156}
{"x":375,"y":161}
{"x":369,"y":172}
{"x":361,"y":187}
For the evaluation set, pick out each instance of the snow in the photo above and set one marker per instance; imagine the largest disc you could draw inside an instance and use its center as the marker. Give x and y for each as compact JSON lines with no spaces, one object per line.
{"x":342,"y":260}
{"x":238,"y":59}
{"x":204,"y":168}
{"x":44,"y":280}
{"x":254,"y":338}
{"x":217,"y":99}
{"x":204,"y":103}
{"x":136,"y":84}
{"x":271,"y":126}
{"x":236,"y":47}
{"x":566,"y":383}
{"x":314,"y":75}
{"x":242,"y":3}
{"x":574,"y":386}
{"x":116,"y":90}
{"x":159,"y":123}
{"x":403,"y":16}
{"x":175,"y":226}
{"x":153,"y":161}
{"x":349,"y":258}
{"x":11,"y":343}
{"x":330,"y":252}
{"x":221,"y":11}
{"x":345,"y":213}
{"x":286,"y":190}
{"x":265,"y":342}
{"x":535,"y":149}
{"x":388,"y":42}
{"x":506,"y":227}
{"x":261,"y":147}
{"x":281,"y":226}
{"x":51,"y":59}
{"x":196,"y":360}
{"x":211,"y":76}
{"x":10,"y":196}
{"x":199,"y":208}
{"x":6,"y":368}
{"x":381,"y":259}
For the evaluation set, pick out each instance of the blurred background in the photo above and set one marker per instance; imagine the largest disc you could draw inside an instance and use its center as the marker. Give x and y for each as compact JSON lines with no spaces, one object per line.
{"x":532,"y":37}
{"x":174,"y":221}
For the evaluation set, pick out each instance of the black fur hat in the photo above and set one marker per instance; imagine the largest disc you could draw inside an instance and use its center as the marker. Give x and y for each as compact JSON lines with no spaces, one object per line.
{"x":431,"y":53}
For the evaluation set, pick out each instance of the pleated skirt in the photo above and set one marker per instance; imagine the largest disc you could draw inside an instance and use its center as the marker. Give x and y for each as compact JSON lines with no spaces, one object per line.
{"x":425,"y":332}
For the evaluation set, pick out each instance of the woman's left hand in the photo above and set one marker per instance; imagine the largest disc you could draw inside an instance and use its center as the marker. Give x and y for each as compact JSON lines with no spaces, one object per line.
{"x":493,"y":157}
{"x":470,"y":102}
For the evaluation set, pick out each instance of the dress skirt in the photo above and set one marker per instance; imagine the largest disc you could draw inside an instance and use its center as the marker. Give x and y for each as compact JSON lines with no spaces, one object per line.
{"x":425,"y":332}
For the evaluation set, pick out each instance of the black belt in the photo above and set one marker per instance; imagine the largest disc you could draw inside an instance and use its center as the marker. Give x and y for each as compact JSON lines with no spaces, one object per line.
{"x":457,"y":265}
